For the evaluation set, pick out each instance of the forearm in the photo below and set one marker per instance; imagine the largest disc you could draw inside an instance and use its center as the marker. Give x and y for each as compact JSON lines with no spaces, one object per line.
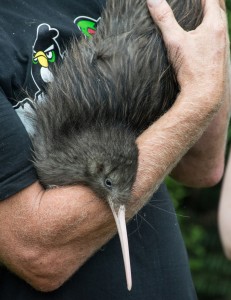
{"x":203,"y":164}
{"x":162,"y":143}
{"x":225,"y":208}
{"x":224,"y":211}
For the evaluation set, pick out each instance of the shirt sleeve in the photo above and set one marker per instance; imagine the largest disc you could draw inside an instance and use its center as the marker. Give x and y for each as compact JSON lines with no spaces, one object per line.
{"x":16,"y":167}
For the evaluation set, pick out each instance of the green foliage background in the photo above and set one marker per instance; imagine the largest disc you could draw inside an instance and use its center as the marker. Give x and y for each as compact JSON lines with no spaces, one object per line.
{"x":197,"y":214}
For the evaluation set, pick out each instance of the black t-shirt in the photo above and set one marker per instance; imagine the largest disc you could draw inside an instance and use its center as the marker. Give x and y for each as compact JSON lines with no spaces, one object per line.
{"x":33,"y":35}
{"x":32,"y":32}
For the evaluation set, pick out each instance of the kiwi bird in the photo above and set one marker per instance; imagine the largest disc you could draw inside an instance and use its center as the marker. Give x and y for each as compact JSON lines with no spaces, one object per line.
{"x":107,"y":90}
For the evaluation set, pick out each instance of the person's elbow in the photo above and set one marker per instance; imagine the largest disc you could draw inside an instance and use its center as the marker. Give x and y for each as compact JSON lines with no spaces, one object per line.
{"x":213,"y":177}
{"x":199,"y":177}
{"x":44,"y":270}
{"x":45,"y":284}
{"x":46,"y":280}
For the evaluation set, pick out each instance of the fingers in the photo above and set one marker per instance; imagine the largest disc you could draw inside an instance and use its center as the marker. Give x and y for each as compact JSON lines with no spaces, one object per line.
{"x":222,"y":4}
{"x":212,"y":12}
{"x":215,"y":22}
{"x":163,"y":16}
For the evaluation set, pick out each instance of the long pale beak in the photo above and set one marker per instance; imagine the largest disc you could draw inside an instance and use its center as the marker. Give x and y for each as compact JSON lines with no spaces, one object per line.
{"x":122,"y":230}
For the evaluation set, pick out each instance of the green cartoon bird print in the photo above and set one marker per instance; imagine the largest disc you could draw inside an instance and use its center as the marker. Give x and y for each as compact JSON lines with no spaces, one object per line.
{"x":86,"y":25}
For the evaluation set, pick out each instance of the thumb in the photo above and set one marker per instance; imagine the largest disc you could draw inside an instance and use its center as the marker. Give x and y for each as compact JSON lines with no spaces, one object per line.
{"x":163,"y":16}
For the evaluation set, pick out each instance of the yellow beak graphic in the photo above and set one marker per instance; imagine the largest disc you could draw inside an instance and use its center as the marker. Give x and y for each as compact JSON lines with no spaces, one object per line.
{"x":42,"y":59}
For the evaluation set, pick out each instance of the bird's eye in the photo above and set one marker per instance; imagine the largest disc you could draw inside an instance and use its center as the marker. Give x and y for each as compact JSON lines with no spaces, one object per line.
{"x":35,"y":60}
{"x":108,"y":183}
{"x":51,"y":56}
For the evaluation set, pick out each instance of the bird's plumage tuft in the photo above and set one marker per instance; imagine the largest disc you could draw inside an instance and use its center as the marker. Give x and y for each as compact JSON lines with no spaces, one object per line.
{"x":105,"y":93}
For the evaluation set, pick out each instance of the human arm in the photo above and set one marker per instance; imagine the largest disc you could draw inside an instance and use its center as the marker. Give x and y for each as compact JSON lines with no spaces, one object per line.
{"x":50,"y":234}
{"x":203,"y":164}
{"x":224,"y":211}
{"x":225,"y":206}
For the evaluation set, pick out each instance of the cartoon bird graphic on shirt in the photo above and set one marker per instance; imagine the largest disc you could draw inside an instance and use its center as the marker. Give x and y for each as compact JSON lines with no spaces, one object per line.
{"x":86,"y":25}
{"x":46,"y":52}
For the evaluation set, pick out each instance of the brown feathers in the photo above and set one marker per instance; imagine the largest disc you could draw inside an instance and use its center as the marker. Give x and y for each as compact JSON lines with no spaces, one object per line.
{"x":106,"y":92}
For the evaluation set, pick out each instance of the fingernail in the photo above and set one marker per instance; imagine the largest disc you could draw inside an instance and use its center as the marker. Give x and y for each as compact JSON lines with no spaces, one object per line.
{"x":152,"y":3}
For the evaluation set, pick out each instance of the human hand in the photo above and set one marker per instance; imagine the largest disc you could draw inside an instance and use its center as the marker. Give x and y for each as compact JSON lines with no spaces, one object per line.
{"x":199,"y":56}
{"x":200,"y":61}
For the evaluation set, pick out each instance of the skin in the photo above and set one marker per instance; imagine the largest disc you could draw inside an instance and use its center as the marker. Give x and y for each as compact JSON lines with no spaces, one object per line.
{"x":63,"y":227}
{"x":212,"y":154}
{"x":224,"y":211}
{"x":225,"y":206}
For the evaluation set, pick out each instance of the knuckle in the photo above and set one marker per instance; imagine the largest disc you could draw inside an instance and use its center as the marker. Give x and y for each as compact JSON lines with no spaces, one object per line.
{"x":176,"y":41}
{"x":220,"y":29}
{"x":164,"y":15}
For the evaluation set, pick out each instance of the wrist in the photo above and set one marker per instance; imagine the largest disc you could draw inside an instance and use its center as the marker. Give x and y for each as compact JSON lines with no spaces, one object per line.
{"x":167,"y":140}
{"x":200,"y":99}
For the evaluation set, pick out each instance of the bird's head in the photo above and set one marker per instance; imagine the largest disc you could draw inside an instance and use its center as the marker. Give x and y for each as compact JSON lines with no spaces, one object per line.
{"x":111,"y":165}
{"x":111,"y":169}
{"x":112,"y":178}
